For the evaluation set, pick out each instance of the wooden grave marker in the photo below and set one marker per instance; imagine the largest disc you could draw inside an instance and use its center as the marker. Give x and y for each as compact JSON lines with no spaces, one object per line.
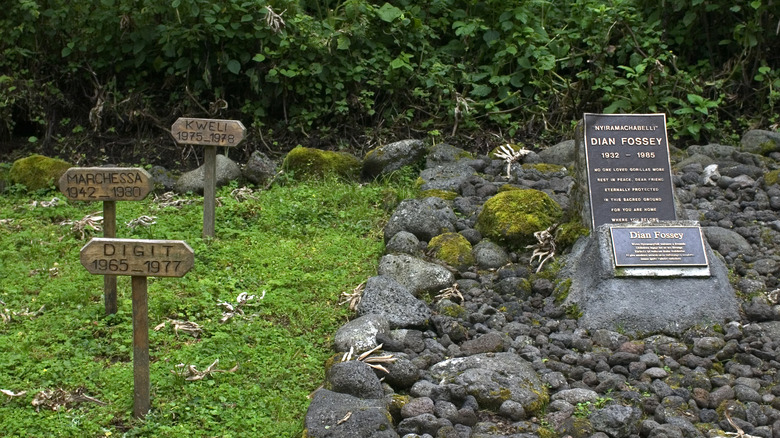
{"x":107,"y":184}
{"x":209,"y":133}
{"x":138,"y":258}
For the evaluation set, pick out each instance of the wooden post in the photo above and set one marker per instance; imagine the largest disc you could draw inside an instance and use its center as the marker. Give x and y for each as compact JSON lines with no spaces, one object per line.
{"x":209,"y":190}
{"x":138,"y":258}
{"x":109,"y":281}
{"x":141,"y":381}
{"x":107,"y":184}
{"x":209,"y":133}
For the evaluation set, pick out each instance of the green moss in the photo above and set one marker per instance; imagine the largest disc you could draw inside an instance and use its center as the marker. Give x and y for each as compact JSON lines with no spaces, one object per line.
{"x":525,"y":286}
{"x":568,"y":233}
{"x":37,"y":172}
{"x":448,"y":308}
{"x":578,"y":428}
{"x":513,"y":216}
{"x":767,"y":147}
{"x":453,"y":249}
{"x":543,"y":167}
{"x":307,"y":163}
{"x":771,"y":178}
{"x":397,"y":401}
{"x":334,"y":359}
{"x":542,"y":399}
{"x":508,"y":188}
{"x":573,"y":311}
{"x":561,"y":291}
{"x":443,"y":194}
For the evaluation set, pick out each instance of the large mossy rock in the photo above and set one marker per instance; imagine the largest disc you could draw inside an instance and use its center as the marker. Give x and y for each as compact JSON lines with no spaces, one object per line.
{"x":306,"y":163}
{"x":513,"y":216}
{"x":37,"y":172}
{"x":453,"y":249}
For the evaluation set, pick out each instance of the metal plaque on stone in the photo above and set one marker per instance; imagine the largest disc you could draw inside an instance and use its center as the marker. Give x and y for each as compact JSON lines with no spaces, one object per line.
{"x":629,"y":172}
{"x":658,"y":246}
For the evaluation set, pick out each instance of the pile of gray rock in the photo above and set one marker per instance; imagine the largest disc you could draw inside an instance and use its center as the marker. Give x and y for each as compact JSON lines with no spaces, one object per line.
{"x":486,"y":350}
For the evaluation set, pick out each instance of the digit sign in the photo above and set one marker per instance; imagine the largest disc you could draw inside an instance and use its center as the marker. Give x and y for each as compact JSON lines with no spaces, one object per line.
{"x":137,"y":257}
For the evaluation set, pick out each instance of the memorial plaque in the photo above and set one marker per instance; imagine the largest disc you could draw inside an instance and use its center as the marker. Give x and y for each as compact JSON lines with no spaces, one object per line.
{"x":629,"y":172}
{"x":106,"y":184}
{"x":208,"y":132}
{"x":137,"y":257}
{"x":658,"y":246}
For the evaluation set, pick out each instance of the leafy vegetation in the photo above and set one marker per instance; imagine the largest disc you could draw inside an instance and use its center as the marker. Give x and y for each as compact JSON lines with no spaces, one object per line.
{"x":284,"y":246}
{"x":344,"y":73}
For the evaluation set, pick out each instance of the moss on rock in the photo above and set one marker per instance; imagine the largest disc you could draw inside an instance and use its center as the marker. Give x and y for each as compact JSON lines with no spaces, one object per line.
{"x":307,"y":163}
{"x":543,"y":167}
{"x":513,"y":216}
{"x":771,"y":178}
{"x":453,"y":249}
{"x":37,"y":171}
{"x":568,"y":233}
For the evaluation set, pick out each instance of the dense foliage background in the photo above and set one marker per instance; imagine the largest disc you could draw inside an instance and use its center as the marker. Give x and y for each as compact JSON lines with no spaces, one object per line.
{"x":97,"y":81}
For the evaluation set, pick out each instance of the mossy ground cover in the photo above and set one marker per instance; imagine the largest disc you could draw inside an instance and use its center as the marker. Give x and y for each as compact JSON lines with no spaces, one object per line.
{"x":303,"y":244}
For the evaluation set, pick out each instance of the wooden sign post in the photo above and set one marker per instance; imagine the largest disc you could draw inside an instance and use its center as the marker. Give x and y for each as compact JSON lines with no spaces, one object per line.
{"x":107,"y":184}
{"x":138,"y":258}
{"x":209,"y":133}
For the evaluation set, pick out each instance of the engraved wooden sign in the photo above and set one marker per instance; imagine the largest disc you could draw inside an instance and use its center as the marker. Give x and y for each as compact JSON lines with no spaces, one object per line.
{"x":106,"y":184}
{"x":137,"y":257}
{"x":208,"y":132}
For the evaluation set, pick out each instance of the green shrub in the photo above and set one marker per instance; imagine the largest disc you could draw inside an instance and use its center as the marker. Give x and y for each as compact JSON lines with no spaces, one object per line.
{"x":524,"y":68}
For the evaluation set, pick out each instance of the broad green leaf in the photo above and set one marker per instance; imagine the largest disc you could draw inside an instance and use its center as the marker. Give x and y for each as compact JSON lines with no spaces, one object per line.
{"x":481,"y":90}
{"x":343,"y":42}
{"x":259,"y":57}
{"x":398,"y":63}
{"x":234,"y":66}
{"x":389,"y":12}
{"x":490,"y":36}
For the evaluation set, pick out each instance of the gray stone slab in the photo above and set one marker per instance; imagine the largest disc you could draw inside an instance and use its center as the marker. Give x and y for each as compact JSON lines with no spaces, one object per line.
{"x":643,"y":305}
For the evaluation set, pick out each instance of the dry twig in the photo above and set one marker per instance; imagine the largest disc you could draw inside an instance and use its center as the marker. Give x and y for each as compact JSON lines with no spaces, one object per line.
{"x":168,"y":199}
{"x":89,"y":222}
{"x":243,"y":193}
{"x":739,"y":432}
{"x":13,"y":394}
{"x":353,"y":298}
{"x":190,"y":373}
{"x":56,"y":399}
{"x":372,"y":361}
{"x":510,"y":155}
{"x":187,"y":327}
{"x":45,"y":204}
{"x":450,"y":293}
{"x":274,"y":20}
{"x":144,"y":221}
{"x":233,"y":309}
{"x":544,"y":249}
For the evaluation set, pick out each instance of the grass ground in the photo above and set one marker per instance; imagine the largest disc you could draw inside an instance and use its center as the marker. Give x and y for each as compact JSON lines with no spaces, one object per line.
{"x":302,"y":244}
